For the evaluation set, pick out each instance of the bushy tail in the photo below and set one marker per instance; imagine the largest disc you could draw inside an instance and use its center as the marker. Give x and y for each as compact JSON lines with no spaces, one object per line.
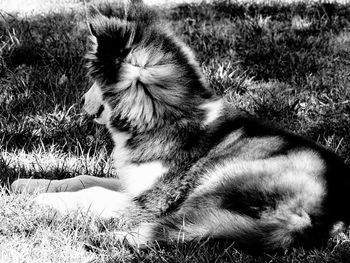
{"x":268,"y":234}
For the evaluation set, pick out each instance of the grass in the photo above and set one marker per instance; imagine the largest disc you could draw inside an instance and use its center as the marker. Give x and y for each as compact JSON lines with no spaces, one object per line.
{"x":284,"y":63}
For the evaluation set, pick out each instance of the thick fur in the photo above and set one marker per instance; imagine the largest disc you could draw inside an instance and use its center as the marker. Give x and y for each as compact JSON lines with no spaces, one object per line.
{"x":190,"y":165}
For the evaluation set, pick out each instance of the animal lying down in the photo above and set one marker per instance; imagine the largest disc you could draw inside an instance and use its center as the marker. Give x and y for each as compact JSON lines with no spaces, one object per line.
{"x":188,"y":162}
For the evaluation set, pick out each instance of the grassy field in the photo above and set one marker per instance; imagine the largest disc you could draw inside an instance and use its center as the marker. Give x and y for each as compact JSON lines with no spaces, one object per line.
{"x":284,"y":63}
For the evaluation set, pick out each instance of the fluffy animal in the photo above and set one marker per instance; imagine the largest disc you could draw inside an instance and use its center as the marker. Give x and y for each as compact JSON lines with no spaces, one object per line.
{"x":189,"y":165}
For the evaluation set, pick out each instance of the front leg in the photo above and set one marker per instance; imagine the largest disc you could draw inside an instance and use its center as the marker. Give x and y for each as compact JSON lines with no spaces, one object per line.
{"x":96,"y":201}
{"x":66,"y":185}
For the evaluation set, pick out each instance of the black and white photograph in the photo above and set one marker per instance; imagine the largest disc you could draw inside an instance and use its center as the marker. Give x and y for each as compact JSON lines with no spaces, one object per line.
{"x":182,"y":131}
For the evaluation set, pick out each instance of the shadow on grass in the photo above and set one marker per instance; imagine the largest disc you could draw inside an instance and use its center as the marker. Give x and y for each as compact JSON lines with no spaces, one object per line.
{"x":42,"y":57}
{"x":212,"y":251}
{"x":10,"y":173}
{"x":306,"y":112}
{"x":279,"y":41}
{"x":331,"y":129}
{"x":276,"y":10}
{"x":51,"y":165}
{"x":42,"y":79}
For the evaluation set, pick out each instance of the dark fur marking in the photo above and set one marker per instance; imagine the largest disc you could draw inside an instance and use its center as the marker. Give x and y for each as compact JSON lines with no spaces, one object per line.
{"x":249,"y":199}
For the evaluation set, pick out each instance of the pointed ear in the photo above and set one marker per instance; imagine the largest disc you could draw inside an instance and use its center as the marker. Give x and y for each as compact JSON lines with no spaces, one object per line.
{"x":92,"y":30}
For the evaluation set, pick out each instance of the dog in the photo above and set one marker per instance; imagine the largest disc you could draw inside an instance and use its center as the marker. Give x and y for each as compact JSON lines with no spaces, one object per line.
{"x":190,"y":166}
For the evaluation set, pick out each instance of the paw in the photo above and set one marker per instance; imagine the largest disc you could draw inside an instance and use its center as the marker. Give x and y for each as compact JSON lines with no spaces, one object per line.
{"x":139,"y":237}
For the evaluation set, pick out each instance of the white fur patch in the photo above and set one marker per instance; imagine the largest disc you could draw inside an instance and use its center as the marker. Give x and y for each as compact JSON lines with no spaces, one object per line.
{"x":135,"y":178}
{"x":93,"y":99}
{"x":138,"y":178}
{"x":93,"y":44}
{"x":93,"y":102}
{"x":213,"y":109}
{"x":96,"y":201}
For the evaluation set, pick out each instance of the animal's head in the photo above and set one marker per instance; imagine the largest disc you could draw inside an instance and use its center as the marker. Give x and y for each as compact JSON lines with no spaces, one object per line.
{"x":143,"y":76}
